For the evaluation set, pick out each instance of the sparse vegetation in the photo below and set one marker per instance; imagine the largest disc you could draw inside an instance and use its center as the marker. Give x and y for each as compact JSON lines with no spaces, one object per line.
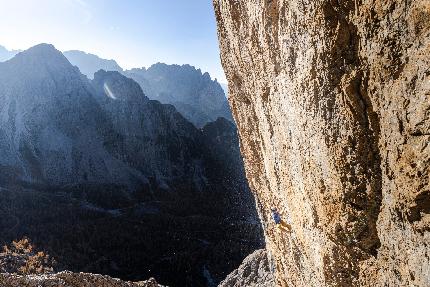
{"x":21,"y":257}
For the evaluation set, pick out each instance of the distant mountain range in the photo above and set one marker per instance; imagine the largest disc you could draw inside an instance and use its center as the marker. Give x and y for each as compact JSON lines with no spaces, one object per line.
{"x":89,"y":64}
{"x":194,"y":94}
{"x":6,"y":54}
{"x":109,"y":181}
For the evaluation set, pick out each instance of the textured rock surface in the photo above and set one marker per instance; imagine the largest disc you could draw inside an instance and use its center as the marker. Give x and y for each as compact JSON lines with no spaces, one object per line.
{"x":332,"y":103}
{"x":69,"y":279}
{"x":253,"y":272}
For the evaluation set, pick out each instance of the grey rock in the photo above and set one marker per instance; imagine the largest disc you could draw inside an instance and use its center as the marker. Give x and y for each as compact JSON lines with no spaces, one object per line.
{"x":253,"y":272}
{"x":199,"y":98}
{"x":195,"y":95}
{"x":51,"y":128}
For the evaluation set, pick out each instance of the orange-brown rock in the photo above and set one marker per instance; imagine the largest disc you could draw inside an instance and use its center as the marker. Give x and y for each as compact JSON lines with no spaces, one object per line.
{"x":332,"y":103}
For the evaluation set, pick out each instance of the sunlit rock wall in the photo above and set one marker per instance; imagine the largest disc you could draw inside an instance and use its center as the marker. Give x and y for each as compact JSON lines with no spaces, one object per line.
{"x":332,"y":103}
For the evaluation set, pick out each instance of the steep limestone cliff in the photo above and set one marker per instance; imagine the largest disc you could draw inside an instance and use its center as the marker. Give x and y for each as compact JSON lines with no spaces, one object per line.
{"x":332,"y":103}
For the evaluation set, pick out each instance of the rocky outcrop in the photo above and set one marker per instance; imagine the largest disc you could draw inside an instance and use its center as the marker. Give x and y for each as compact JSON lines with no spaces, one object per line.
{"x":89,"y":64}
{"x":331,"y":99}
{"x":69,"y":279}
{"x":253,"y":272}
{"x":195,"y":95}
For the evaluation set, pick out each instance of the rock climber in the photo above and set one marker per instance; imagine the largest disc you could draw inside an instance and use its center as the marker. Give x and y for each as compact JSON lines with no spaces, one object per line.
{"x":279,"y":221}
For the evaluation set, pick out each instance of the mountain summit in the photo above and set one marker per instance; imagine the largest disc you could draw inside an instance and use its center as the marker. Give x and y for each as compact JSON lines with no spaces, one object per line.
{"x":49,"y":114}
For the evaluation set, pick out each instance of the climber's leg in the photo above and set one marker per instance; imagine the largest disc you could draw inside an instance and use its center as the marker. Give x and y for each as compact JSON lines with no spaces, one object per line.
{"x":285,"y":226}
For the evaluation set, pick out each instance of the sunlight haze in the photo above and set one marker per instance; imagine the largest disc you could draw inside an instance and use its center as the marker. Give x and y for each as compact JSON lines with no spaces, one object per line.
{"x":134,"y":33}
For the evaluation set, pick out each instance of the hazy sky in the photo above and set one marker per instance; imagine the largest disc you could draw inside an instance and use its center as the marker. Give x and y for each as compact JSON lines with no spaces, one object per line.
{"x":135,"y":33}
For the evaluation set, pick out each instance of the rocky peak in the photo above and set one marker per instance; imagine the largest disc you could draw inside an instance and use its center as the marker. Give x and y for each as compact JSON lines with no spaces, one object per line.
{"x":180,"y":83}
{"x":43,"y":57}
{"x":118,"y":87}
{"x":199,"y":98}
{"x":45,"y":69}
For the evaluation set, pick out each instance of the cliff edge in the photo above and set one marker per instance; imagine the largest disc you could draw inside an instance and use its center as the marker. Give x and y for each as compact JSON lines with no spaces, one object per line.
{"x":332,"y":104}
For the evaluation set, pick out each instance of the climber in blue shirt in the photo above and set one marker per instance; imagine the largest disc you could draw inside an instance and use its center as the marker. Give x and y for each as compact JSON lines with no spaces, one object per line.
{"x":279,"y":222}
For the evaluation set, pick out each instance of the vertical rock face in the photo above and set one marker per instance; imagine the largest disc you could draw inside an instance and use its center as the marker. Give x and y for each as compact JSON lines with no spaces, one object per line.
{"x":332,"y":103}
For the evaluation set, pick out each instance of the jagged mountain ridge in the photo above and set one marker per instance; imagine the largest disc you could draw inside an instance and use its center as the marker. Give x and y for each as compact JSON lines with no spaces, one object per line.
{"x":194,"y":94}
{"x":91,"y":164}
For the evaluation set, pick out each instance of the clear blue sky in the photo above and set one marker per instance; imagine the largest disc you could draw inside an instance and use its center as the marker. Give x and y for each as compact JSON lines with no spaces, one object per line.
{"x":136,"y":33}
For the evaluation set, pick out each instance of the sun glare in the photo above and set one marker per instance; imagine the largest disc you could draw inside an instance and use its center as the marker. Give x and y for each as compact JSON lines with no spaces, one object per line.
{"x":108,"y":91}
